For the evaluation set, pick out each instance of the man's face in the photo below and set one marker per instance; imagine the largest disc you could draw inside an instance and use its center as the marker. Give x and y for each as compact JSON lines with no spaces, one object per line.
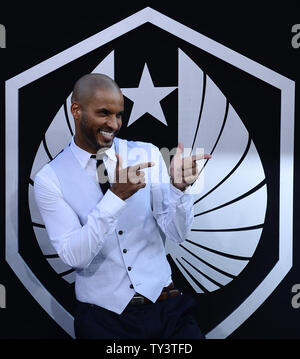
{"x":98,"y":120}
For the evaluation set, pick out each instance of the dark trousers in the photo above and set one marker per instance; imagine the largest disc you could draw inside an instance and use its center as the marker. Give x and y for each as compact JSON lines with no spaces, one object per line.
{"x":172,"y":318}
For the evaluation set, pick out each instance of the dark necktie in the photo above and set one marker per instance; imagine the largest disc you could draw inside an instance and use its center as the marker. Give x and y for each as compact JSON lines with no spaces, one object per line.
{"x":102,"y":174}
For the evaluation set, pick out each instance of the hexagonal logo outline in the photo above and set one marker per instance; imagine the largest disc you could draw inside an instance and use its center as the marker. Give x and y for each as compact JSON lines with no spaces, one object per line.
{"x":285,"y":85}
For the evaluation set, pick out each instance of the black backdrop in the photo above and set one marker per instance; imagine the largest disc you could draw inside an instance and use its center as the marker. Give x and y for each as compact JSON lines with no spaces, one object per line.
{"x":36,"y":33}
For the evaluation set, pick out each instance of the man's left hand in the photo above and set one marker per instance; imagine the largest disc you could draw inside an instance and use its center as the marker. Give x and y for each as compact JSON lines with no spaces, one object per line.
{"x":184,"y":171}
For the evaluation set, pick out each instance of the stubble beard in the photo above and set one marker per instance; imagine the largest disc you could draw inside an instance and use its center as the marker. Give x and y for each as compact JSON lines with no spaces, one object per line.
{"x":89,"y":135}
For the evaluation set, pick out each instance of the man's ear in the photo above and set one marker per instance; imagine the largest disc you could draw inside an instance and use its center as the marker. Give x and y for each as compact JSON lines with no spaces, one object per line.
{"x":76,"y":110}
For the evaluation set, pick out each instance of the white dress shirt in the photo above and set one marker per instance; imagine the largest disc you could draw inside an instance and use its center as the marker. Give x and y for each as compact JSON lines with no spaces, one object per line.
{"x":83,"y":245}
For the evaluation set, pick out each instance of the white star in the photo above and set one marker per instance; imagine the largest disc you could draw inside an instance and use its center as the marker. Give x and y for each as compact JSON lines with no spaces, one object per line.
{"x":147,"y":98}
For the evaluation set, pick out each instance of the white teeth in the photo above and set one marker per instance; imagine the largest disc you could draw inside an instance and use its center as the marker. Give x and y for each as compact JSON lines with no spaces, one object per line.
{"x":106,"y":133}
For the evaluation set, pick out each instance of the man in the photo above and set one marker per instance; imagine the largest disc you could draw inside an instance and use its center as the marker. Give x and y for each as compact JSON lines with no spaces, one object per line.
{"x":114,"y":237}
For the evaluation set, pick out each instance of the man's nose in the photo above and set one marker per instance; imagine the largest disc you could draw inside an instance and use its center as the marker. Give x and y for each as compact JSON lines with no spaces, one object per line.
{"x":113,"y":122}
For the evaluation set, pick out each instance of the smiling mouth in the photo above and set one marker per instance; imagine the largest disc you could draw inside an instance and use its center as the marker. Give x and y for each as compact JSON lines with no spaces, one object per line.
{"x":107,"y":136}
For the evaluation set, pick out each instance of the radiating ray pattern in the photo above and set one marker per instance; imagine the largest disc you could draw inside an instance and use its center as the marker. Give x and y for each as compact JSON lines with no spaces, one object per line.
{"x":229,"y":214}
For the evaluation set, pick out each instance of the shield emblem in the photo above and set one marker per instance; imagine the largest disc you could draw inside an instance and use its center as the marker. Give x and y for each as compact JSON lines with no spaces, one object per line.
{"x":233,"y":216}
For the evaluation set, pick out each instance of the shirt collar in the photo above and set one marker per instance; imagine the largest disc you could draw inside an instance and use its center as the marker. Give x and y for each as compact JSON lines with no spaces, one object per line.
{"x":83,"y":156}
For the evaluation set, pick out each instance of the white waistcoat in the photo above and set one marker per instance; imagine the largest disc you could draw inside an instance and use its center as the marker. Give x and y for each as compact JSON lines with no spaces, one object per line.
{"x":106,"y":281}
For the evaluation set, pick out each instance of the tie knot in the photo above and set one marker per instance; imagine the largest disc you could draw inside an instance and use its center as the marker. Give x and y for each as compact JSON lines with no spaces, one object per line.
{"x":99,"y":155}
{"x":102,"y":172}
{"x":99,"y":160}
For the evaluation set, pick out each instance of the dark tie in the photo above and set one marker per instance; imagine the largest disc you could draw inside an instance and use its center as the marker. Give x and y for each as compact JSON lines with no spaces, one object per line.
{"x":102,"y":174}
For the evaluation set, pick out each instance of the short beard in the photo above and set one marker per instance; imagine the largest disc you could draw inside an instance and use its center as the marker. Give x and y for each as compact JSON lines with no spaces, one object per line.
{"x":88,"y":134}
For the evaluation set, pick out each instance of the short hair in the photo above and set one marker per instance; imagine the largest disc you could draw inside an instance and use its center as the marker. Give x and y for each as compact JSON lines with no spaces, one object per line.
{"x":86,"y":85}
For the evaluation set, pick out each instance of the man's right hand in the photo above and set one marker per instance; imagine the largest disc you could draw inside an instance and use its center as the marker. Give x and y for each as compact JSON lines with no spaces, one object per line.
{"x":130,"y":179}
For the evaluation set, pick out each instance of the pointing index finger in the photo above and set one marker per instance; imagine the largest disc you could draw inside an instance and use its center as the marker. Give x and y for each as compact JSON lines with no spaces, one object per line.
{"x":143,"y":165}
{"x":200,"y":156}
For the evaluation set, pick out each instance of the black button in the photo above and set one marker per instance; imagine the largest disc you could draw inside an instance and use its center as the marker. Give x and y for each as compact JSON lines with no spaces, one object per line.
{"x":129,"y":268}
{"x":125,"y":250}
{"x":120,"y":232}
{"x":131,"y":286}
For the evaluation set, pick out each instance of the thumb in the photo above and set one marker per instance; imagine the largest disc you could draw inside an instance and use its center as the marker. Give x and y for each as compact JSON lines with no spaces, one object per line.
{"x":119,"y":162}
{"x":120,"y":176}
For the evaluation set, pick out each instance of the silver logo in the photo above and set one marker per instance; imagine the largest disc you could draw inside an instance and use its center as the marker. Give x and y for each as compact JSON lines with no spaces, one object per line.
{"x":234,"y":200}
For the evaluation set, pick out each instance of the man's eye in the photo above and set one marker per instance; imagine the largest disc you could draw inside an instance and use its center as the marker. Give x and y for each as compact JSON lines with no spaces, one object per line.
{"x":102,"y":112}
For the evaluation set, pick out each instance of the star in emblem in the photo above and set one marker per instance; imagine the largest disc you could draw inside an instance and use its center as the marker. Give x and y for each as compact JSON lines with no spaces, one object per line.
{"x":146,"y":98}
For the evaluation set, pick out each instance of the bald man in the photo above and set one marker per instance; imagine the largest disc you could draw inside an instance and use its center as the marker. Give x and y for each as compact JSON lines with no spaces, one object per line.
{"x":111,"y":229}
